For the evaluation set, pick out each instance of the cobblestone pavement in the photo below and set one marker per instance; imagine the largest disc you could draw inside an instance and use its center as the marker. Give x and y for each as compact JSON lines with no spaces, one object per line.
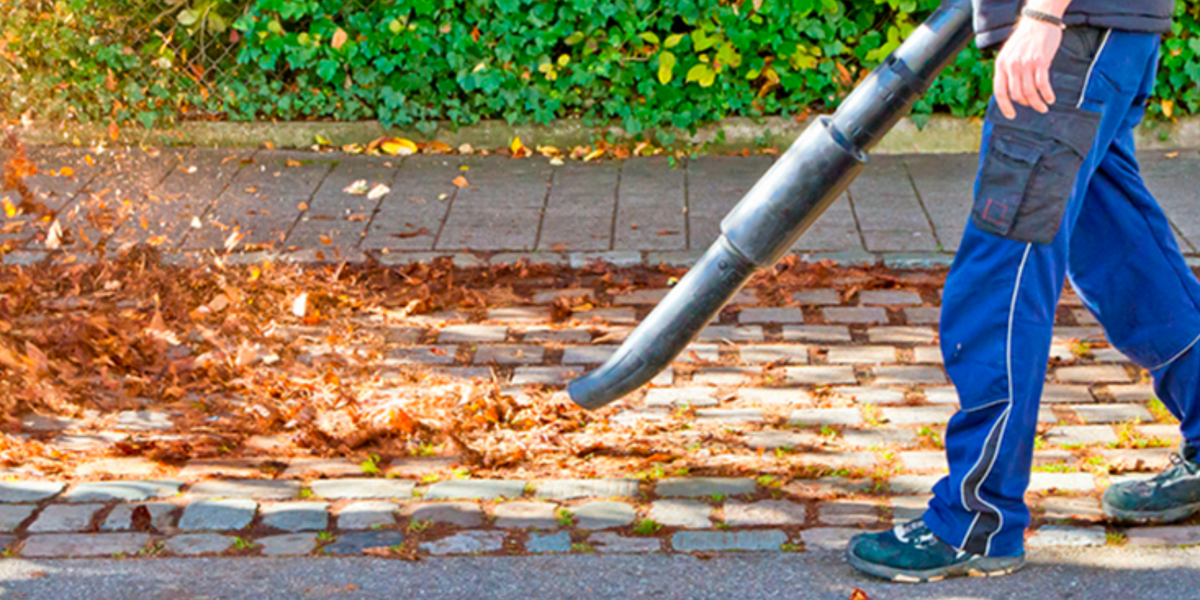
{"x":904,"y":210}
{"x":847,"y":380}
{"x":862,"y":398}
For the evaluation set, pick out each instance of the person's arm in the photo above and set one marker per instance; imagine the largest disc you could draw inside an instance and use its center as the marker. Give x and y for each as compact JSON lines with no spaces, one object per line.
{"x":1023,"y":65}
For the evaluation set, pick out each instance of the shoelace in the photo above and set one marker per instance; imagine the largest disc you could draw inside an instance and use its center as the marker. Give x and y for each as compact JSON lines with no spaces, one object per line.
{"x":916,"y":531}
{"x":1177,"y":462}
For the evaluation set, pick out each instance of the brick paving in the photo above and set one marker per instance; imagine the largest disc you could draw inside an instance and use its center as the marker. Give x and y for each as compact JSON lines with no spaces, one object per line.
{"x":846,"y":381}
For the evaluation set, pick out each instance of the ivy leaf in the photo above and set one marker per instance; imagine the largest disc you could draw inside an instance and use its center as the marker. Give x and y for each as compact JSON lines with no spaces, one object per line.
{"x":327,"y":69}
{"x":395,"y":26}
{"x":574,"y":38}
{"x":702,"y":74}
{"x":339,"y":39}
{"x":275,"y":27}
{"x":666,"y":67}
{"x":187,"y":17}
{"x":673,"y":40}
{"x":649,"y":36}
{"x":702,"y":41}
{"x":728,"y":55}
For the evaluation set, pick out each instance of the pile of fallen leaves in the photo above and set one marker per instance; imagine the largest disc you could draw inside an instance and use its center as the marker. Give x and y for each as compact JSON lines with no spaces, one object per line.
{"x":304,"y":355}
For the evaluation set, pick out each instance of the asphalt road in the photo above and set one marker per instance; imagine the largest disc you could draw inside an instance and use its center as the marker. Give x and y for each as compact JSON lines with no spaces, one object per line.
{"x":1082,"y":574}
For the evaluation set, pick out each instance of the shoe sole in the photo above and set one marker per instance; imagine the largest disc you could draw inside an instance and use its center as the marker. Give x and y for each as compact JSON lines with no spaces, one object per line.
{"x":1149,"y":516}
{"x":982,"y":566}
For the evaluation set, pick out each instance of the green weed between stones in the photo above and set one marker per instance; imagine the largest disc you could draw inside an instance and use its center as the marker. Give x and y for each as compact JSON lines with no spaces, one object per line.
{"x":646,"y":527}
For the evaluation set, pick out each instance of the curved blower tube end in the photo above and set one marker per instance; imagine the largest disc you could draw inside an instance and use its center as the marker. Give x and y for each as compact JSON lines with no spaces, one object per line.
{"x":783,"y":204}
{"x":665,"y":333}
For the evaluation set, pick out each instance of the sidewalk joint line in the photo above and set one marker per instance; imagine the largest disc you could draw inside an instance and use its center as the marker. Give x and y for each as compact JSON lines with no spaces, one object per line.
{"x":687,"y":206}
{"x":300,"y":215}
{"x":924,"y":210}
{"x":612,"y":232}
{"x":537,"y":238}
{"x":208,"y":208}
{"x":379,"y":204}
{"x":437,"y":238}
{"x":862,"y":239}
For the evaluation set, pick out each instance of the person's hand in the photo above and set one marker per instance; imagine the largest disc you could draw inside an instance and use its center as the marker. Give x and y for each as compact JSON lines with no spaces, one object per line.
{"x":1023,"y":67}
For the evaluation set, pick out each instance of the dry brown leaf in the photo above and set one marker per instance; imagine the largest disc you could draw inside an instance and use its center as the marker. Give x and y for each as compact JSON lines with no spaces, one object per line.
{"x":461,"y":182}
{"x":340,"y":37}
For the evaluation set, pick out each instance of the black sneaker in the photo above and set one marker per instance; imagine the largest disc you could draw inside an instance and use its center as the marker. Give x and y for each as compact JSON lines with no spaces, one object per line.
{"x":911,"y":553}
{"x":1172,"y":495}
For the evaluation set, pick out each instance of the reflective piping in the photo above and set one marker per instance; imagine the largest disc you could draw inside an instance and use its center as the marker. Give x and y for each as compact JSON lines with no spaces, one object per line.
{"x":1003,"y":421}
{"x":1176,"y":357}
{"x":1088,"y":78}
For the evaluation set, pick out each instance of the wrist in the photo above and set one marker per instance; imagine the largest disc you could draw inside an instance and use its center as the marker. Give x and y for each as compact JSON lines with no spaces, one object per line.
{"x":1055,"y":8}
{"x":1030,"y":15}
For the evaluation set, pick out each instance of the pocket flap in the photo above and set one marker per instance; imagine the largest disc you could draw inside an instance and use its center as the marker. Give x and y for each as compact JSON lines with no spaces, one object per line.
{"x":1074,"y":127}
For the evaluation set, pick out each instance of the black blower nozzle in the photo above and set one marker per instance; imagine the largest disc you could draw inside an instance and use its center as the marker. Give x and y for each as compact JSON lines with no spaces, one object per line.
{"x":782,"y":205}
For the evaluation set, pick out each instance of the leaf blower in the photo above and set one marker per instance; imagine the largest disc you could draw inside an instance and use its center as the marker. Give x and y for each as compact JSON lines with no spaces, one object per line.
{"x":782,"y":205}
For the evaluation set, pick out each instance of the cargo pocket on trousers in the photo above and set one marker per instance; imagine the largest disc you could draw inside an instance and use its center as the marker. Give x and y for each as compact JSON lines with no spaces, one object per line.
{"x":1030,"y":170}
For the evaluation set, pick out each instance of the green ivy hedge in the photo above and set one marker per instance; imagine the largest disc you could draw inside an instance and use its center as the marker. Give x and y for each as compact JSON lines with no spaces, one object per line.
{"x":644,"y":63}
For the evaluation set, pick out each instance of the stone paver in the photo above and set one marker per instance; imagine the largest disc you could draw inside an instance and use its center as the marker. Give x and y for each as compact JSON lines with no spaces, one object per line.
{"x":917,"y":415}
{"x":549,"y":543}
{"x":11,"y":516}
{"x":124,"y":491}
{"x":731,"y":334}
{"x":544,"y":375}
{"x":827,"y":538}
{"x":1175,"y":535}
{"x":475,"y":489}
{"x":775,"y":396}
{"x":697,"y":397}
{"x":289,"y":544}
{"x":359,"y":541}
{"x":466,"y":542}
{"x":70,"y":545}
{"x":861,"y":355}
{"x":901,"y":335}
{"x":321,"y":467}
{"x":730,"y":416}
{"x":889,"y":297}
{"x":521,"y":315}
{"x":191,"y":544}
{"x":772,"y":439}
{"x":817,"y":297}
{"x":908,"y":375}
{"x":724,"y":376}
{"x":121,"y":517}
{"x":367,"y":514}
{"x":1057,"y":508}
{"x":612,"y":543}
{"x":1066,"y":394}
{"x":1051,"y":536}
{"x":703,"y":487}
{"x":820,"y":375}
{"x":1112,"y":413}
{"x":257,"y":489}
{"x":868,"y":438}
{"x":509,"y":355}
{"x":65,"y":517}
{"x":218,"y":515}
{"x":603,"y":514}
{"x":296,"y":516}
{"x":754,"y":540}
{"x":1149,"y":459}
{"x":789,"y":354}
{"x":28,"y":491}
{"x":923,"y":315}
{"x":848,"y":513}
{"x":907,"y":508}
{"x":871,"y":395}
{"x":460,"y":514}
{"x":1066,"y":482}
{"x":421,"y":355}
{"x":566,"y":489}
{"x":587,"y":355}
{"x":1092,"y":374}
{"x":932,"y":460}
{"x":763,"y":512}
{"x":545,"y":333}
{"x":523,"y":514}
{"x":362,"y":487}
{"x":454,"y":334}
{"x":691,"y":514}
{"x":1078,"y":435}
{"x":770,"y":315}
{"x":848,"y":417}
{"x":143,"y":420}
{"x":855,"y":314}
{"x":817,"y":334}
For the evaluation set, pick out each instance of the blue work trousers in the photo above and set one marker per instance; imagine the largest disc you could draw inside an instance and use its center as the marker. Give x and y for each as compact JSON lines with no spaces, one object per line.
{"x":1116,"y":248}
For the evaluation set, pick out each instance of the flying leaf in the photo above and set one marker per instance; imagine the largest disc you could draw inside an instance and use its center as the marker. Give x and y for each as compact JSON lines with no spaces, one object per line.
{"x":324,"y":141}
{"x":357,"y":188}
{"x":54,"y":236}
{"x":518,"y":149}
{"x":378,"y":191}
{"x":339,"y":39}
{"x":300,"y":305}
{"x":1168,"y":108}
{"x":460,"y":181}
{"x":666,"y":67}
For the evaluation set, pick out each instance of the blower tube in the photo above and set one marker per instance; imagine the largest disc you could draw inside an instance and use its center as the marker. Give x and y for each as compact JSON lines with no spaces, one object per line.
{"x":782,"y":205}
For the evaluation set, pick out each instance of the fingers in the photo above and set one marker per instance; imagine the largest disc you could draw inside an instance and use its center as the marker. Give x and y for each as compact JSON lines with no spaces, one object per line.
{"x":1029,"y":89}
{"x":1042,"y":80}
{"x":1001,"y":92}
